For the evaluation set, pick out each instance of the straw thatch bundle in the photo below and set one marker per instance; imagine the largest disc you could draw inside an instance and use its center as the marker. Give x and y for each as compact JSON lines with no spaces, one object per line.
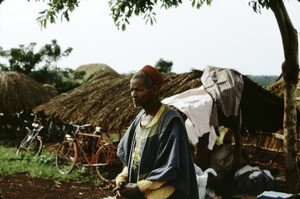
{"x":19,"y":92}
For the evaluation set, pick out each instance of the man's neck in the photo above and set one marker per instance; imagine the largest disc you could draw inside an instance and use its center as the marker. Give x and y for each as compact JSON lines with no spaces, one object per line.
{"x":153,"y":108}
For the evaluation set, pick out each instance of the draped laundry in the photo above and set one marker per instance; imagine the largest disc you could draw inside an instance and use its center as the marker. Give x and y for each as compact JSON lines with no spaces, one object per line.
{"x":196,"y":104}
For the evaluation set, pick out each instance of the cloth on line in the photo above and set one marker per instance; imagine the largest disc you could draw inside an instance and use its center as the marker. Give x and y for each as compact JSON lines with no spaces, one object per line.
{"x":196,"y":104}
{"x":225,"y":86}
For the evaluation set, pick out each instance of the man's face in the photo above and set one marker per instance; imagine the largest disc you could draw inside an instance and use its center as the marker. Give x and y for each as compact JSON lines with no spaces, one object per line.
{"x":140,"y":93}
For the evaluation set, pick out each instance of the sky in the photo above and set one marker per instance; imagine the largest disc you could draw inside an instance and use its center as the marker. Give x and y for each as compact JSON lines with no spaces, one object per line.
{"x":227,"y":34}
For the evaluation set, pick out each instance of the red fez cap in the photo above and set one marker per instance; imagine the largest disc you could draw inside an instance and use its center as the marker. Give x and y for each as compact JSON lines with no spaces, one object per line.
{"x":154,"y":74}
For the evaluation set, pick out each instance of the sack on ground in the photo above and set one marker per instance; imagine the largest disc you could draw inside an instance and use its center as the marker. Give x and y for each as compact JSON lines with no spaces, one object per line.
{"x":253,"y":180}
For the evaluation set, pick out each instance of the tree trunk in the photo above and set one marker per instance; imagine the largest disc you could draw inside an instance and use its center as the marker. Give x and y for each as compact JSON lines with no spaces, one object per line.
{"x":290,"y":70}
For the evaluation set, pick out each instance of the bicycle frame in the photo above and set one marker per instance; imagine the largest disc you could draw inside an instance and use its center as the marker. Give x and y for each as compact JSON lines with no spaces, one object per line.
{"x":90,"y":160}
{"x":33,"y":133}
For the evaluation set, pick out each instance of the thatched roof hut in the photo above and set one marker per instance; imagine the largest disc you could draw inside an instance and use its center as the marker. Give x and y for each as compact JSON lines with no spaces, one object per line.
{"x":105,"y":100}
{"x":20,"y":92}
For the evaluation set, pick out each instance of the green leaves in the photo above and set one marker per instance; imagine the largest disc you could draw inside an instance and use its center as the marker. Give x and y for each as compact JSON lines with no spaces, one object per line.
{"x":199,"y":3}
{"x":121,"y":10}
{"x":25,"y":59}
{"x":164,"y":66}
{"x":257,"y":5}
{"x":56,"y":8}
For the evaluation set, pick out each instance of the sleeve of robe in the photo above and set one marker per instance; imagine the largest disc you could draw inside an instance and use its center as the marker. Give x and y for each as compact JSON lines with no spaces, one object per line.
{"x":174,"y":161}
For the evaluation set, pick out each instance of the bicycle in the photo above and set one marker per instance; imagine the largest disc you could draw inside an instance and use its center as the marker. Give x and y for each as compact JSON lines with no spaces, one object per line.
{"x":102,"y":155}
{"x":32,"y":143}
{"x":53,"y":131}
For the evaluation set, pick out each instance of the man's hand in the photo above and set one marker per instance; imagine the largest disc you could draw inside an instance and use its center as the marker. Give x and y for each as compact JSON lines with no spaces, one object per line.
{"x":119,"y":185}
{"x":130,"y":191}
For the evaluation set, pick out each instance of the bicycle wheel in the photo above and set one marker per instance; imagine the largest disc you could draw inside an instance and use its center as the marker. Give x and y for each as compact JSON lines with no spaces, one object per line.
{"x":23,"y":146}
{"x":32,"y":146}
{"x":108,"y":164}
{"x":24,"y":143}
{"x":35,"y":146}
{"x":66,"y":156}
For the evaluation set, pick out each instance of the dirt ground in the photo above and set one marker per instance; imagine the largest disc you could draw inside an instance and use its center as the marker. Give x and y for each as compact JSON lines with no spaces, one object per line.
{"x":22,"y":186}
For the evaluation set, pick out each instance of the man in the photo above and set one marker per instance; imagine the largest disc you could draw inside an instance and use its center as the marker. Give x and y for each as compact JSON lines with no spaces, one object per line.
{"x":155,"y":149}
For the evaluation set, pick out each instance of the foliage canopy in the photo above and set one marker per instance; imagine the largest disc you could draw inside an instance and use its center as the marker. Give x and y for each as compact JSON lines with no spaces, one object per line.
{"x":122,"y":11}
{"x":164,"y":66}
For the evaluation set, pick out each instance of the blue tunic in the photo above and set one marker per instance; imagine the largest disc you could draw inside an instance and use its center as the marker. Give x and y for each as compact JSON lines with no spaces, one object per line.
{"x":165,"y":156}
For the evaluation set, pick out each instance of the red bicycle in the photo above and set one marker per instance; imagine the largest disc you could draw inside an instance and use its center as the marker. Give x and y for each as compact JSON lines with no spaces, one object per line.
{"x":96,"y":152}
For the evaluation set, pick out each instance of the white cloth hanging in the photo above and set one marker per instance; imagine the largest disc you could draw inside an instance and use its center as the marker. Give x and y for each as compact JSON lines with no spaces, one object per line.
{"x":196,"y":104}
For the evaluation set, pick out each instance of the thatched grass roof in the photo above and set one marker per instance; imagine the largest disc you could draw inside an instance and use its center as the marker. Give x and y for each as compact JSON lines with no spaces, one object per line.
{"x":105,"y":100}
{"x":19,"y":92}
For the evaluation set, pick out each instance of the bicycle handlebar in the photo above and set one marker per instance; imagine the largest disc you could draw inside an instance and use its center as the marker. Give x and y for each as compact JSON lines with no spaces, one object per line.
{"x":80,"y":127}
{"x":76,"y":128}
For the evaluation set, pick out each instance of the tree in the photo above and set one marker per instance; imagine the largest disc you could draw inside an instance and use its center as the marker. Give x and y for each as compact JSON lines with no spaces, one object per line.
{"x":123,"y":10}
{"x":164,"y":66}
{"x":62,"y":79}
{"x":290,"y":73}
{"x":51,"y":53}
{"x":24,"y":58}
